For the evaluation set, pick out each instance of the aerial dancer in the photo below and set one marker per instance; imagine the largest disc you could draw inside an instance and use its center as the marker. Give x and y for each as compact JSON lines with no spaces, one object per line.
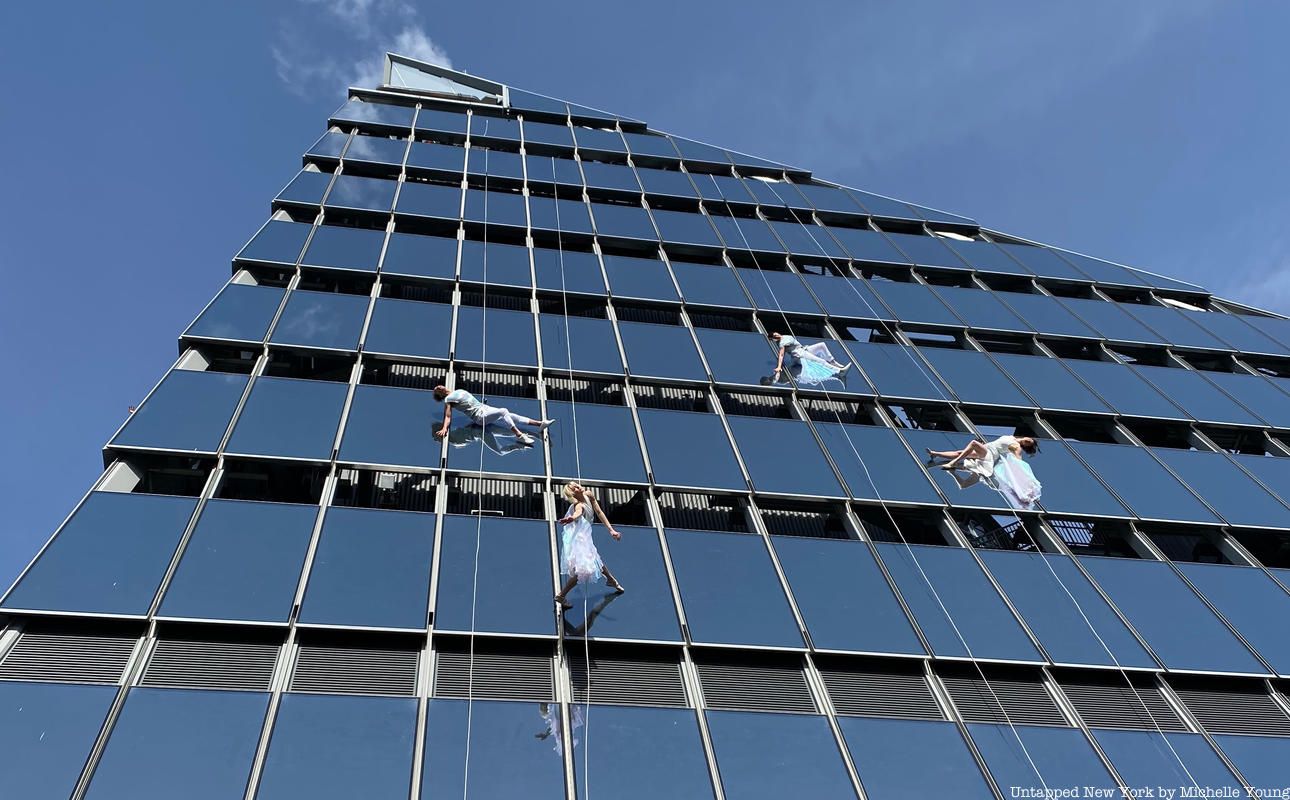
{"x":464,"y":435}
{"x":484,"y":415}
{"x":579,"y":558}
{"x":1000,"y":463}
{"x":811,"y":364}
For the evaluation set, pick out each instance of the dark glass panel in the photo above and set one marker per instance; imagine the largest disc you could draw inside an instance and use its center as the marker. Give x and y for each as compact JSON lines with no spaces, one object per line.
{"x":344,"y":248}
{"x":409,"y":327}
{"x":670,"y":764}
{"x":329,"y":145}
{"x":1103,"y":271}
{"x":1196,"y":396}
{"x":278,"y":242}
{"x":1226,"y":488}
{"x":1050,"y":383}
{"x":288,"y":417}
{"x":829,"y":198}
{"x":1069,"y":487}
{"x":496,"y":264}
{"x":688,"y":449}
{"x":987,"y":257}
{"x":429,"y":200}
{"x":509,"y":338}
{"x":1046,"y":315}
{"x":685,"y":227}
{"x":427,"y":256}
{"x":512,"y":750}
{"x":971,"y":493}
{"x":307,"y":187}
{"x":725,"y":189}
{"x":880,"y":206}
{"x":1261,"y":760}
{"x":648,"y":613}
{"x":433,"y":119}
{"x":596,"y":139}
{"x":1252,"y":602}
{"x":568,"y":271}
{"x":562,"y":216}
{"x":702,"y":284}
{"x":974,"y":377}
{"x":699,"y":151}
{"x":1150,"y":491}
{"x":783,"y":457}
{"x":187,"y":411}
{"x":46,"y":732}
{"x":660,"y":351}
{"x":1236,"y":332}
{"x":981,"y":309}
{"x":239,"y":312}
{"x":915,"y":303}
{"x":929,"y":251}
{"x":875,"y":463}
{"x":496,"y":448}
{"x":537,"y":102}
{"x":594,"y":441}
{"x":1043,"y":262}
{"x":1272,"y":327}
{"x":544,"y":169}
{"x":1175,"y":326}
{"x":380,"y":113}
{"x":321,"y":319}
{"x":867,"y":245}
{"x":645,"y":278}
{"x":482,"y":125}
{"x":666,"y":182}
{"x":546,"y":133}
{"x":648,"y":144}
{"x":1110,"y":321}
{"x":513,"y":559}
{"x":773,"y":290}
{"x":806,"y":238}
{"x":591,"y":344}
{"x":745,"y":234}
{"x":739,"y":357}
{"x":610,"y":177}
{"x":896,"y":371}
{"x":494,"y":163}
{"x":1255,"y":393}
{"x":389,"y":425}
{"x":376,"y":149}
{"x":1147,"y":760}
{"x":356,"y":191}
{"x":892,"y":759}
{"x":1124,"y":389}
{"x":777,"y":755}
{"x":1273,"y":473}
{"x":495,"y":208}
{"x":1056,"y":758}
{"x":445,"y":158}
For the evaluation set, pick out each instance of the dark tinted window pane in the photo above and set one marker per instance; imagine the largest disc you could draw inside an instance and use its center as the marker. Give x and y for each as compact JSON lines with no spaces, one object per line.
{"x":565,"y":171}
{"x":496,"y":264}
{"x":1043,"y":262}
{"x":1148,"y":760}
{"x":1261,"y":760}
{"x":1226,"y":488}
{"x":650,"y":145}
{"x":829,"y":198}
{"x":202,"y":741}
{"x":430,"y":200}
{"x":443,"y":158}
{"x":568,"y":271}
{"x":429,"y":256}
{"x":1257,"y":394}
{"x":1050,"y":383}
{"x":46,"y":732}
{"x":498,"y":163}
{"x":981,"y":309}
{"x":891,"y":474}
{"x":743,"y":602}
{"x":1068,"y":485}
{"x":1176,"y":326}
{"x":777,"y":755}
{"x":187,"y":411}
{"x":1196,"y":396}
{"x":880,"y":206}
{"x":596,"y":139}
{"x":867,"y":245}
{"x":242,"y":562}
{"x":494,"y":128}
{"x":515,"y":588}
{"x":409,"y":327}
{"x":432,"y":119}
{"x":238,"y":312}
{"x":649,"y":613}
{"x":1110,"y":321}
{"x":320,"y":319}
{"x":646,"y":278}
{"x":912,"y":758}
{"x":547,"y":133}
{"x":330,"y":144}
{"x":666,"y":182}
{"x":671,"y":765}
{"x":1150,"y":491}
{"x":508,"y":755}
{"x":307,"y":187}
{"x":927,"y":251}
{"x":770,"y":446}
{"x":500,"y":449}
{"x":354,"y":191}
{"x":592,"y":344}
{"x":376,"y":149}
{"x":836,"y":583}
{"x":806,"y":238}
{"x":745,"y":234}
{"x":385,"y":552}
{"x":1272,"y":327}
{"x":509,"y":339}
{"x":339,"y":748}
{"x":987,"y":257}
{"x":594,"y":441}
{"x":1102,"y":271}
{"x":661,"y":351}
{"x":847,"y":297}
{"x":794,"y":369}
{"x":1046,"y":315}
{"x":611,"y":177}
{"x":389,"y":425}
{"x":1241,"y":336}
{"x":344,"y":248}
{"x":708,"y":285}
{"x":737,"y":356}
{"x":975,"y":608}
{"x":567,"y":216}
{"x":975,"y":378}
{"x":381,"y":113}
{"x":687,"y":449}
{"x":961,"y":488}
{"x":1073,"y":631}
{"x":278,"y":242}
{"x":287,"y":417}
{"x":1126,"y":391}
{"x":897,"y":371}
{"x":913,"y":302}
{"x":1252,"y":602}
{"x":772,"y":290}
{"x":730,"y":191}
{"x":1273,"y":473}
{"x":109,"y":558}
{"x":1154,"y":599}
{"x":1055,"y":758}
{"x":698,"y":151}
{"x":495,"y":208}
{"x":684,"y":227}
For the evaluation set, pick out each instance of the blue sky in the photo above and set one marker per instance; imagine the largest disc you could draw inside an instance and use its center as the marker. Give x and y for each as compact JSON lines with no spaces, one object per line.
{"x":144,"y":142}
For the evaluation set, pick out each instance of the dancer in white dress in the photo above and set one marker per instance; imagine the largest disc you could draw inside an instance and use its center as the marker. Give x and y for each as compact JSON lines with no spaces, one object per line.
{"x":814,"y":363}
{"x":579,"y":559}
{"x":999,"y":463}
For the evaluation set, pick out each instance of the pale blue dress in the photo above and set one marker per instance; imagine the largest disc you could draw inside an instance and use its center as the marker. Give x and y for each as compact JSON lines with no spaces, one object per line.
{"x":578,"y":554}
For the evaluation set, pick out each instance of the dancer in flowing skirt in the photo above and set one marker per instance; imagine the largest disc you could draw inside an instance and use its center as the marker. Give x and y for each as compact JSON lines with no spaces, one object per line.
{"x":579,"y":559}
{"x":811,"y":364}
{"x":998,"y":462}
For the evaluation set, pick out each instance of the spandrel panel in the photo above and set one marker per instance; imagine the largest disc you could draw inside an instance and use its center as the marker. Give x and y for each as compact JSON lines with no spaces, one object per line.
{"x":976,"y":612}
{"x":595,"y":442}
{"x":1147,"y":760}
{"x":875,"y":463}
{"x":763,"y":191}
{"x":897,"y":371}
{"x":646,"y":612}
{"x":433,"y":119}
{"x":1272,"y":327}
{"x":836,"y":583}
{"x":607,"y":141}
{"x":829,"y":198}
{"x":568,"y":271}
{"x":495,"y":163}
{"x":376,"y":149}
{"x":762,"y":755}
{"x":623,"y":222}
{"x":559,"y":215}
{"x":1273,"y":473}
{"x":987,"y":257}
{"x":891,"y":758}
{"x":589,"y":341}
{"x":392,"y":426}
{"x":1125,"y":390}
{"x":495,"y":209}
{"x":366,"y":194}
{"x":777,"y":291}
{"x":1070,"y":618}
{"x":1252,"y":602}
{"x":806,"y":238}
{"x":980,"y":309}
{"x":1069,"y":488}
{"x":666,"y":182}
{"x":385,"y":552}
{"x":1240,"y":335}
{"x":1109,"y":320}
{"x":738,"y":357}
{"x":647,"y":144}
{"x":770,"y":446}
{"x":685,"y":227}
{"x":425,"y":256}
{"x":512,"y":750}
{"x":1176,"y":326}
{"x":1226,"y":488}
{"x":109,"y":558}
{"x":496,"y":448}
{"x":514,"y":562}
{"x":242,"y":562}
{"x":689,"y":449}
{"x":1046,"y":315}
{"x":1155,"y":600}
{"x":290,"y":418}
{"x":509,"y":338}
{"x":661,"y":351}
{"x":975,"y":378}
{"x":727,"y":190}
{"x":869,"y":246}
{"x":1261,"y":760}
{"x":1043,"y":262}
{"x":1051,"y":385}
{"x":409,"y":327}
{"x":46,"y":733}
{"x":1056,"y":758}
{"x":495,"y":264}
{"x":345,"y":248}
{"x":1103,"y":271}
{"x":502,"y":128}
{"x":1196,"y":396}
{"x":880,"y":206}
{"x":307,"y":187}
{"x":1150,"y":491}
{"x":698,"y":151}
{"x":1257,"y":394}
{"x":548,"y":134}
{"x":434,"y":200}
{"x":329,"y":747}
{"x":238,"y":313}
{"x":961,"y":488}
{"x":203,"y":741}
{"x":187,"y":411}
{"x":321,"y":319}
{"x":671,"y":764}
{"x":610,"y":177}
{"x":446,"y":159}
{"x":706,"y":285}
{"x":851,"y":298}
{"x":929,"y":251}
{"x":644,"y":278}
{"x":746,"y":234}
{"x":915,"y":303}
{"x":380,"y":113}
{"x":278,"y":242}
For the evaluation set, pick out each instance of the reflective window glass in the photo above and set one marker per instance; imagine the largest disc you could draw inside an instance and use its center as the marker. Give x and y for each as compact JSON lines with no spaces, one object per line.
{"x":1227,"y":489}
{"x":1273,"y":473}
{"x":702,"y":284}
{"x":433,"y":119}
{"x":329,"y":145}
{"x":745,"y":234}
{"x":897,"y":371}
{"x":875,"y":464}
{"x":242,"y":562}
{"x":239,"y":312}
{"x":929,"y":251}
{"x":512,"y":750}
{"x":591,"y":344}
{"x":546,"y":133}
{"x":390,"y":425}
{"x":46,"y":732}
{"x":1050,"y":383}
{"x":661,"y":351}
{"x":829,"y":198}
{"x":1272,"y":327}
{"x":742,"y":602}
{"x":429,"y":200}
{"x":597,"y":139}
{"x":109,"y":558}
{"x":307,"y":187}
{"x":1261,"y":760}
{"x":594,"y":441}
{"x":278,"y":242}
{"x":1176,"y":326}
{"x":976,"y":612}
{"x":496,"y":163}
{"x":1196,"y":396}
{"x":836,"y":583}
{"x":974,"y":377}
{"x":1043,"y":262}
{"x":376,"y":149}
{"x":1124,"y":389}
{"x":763,"y":191}
{"x":1046,"y":315}
{"x":914,"y":303}
{"x":570,"y":271}
{"x":698,"y":151}
{"x":1103,"y":271}
{"x":987,"y":257}
{"x":672,"y":765}
{"x":961,"y":488}
{"x":328,"y":747}
{"x":381,"y":113}
{"x":1155,"y":599}
{"x":648,"y":144}
{"x":726,"y":190}
{"x":495,"y":208}
{"x":847,"y":297}
{"x":503,"y":128}
{"x":1110,"y":321}
{"x":1070,"y":618}
{"x":740,"y":357}
{"x":1234,"y":330}
{"x":869,"y":246}
{"x":289,"y":417}
{"x":496,"y":264}
{"x":562,"y":216}
{"x":1150,"y":491}
{"x":610,"y":177}
{"x":981,"y":309}
{"x":768,"y":445}
{"x":509,"y":338}
{"x":495,"y":448}
{"x":777,"y":755}
{"x":1069,"y":488}
{"x":880,"y":206}
{"x":409,"y":327}
{"x":344,"y":248}
{"x":427,"y":256}
{"x":514,"y":563}
{"x":187,"y":411}
{"x":684,"y":227}
{"x":1147,"y":760}
{"x":806,"y":238}
{"x":1257,"y":394}
{"x":1252,"y":602}
{"x":321,"y":319}
{"x":688,"y":449}
{"x":543,"y":169}
{"x":670,"y":183}
{"x":443,"y":158}
{"x":645,"y":278}
{"x":637,"y":561}
{"x":773,"y":290}
{"x":203,"y":741}
{"x":1056,"y":758}
{"x":356,"y":191}
{"x":894,"y":758}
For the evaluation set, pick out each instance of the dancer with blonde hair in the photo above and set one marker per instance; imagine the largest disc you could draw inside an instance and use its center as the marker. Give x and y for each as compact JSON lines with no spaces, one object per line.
{"x":579,"y":559}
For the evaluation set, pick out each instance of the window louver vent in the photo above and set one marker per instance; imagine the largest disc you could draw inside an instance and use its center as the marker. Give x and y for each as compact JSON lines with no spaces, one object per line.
{"x":674,"y":398}
{"x":414,"y":376}
{"x":701,"y":512}
{"x":401,"y":491}
{"x":761,"y":688}
{"x":581,"y":390}
{"x":67,"y":657}
{"x":1108,"y":704}
{"x":1021,"y":701}
{"x":211,"y":665}
{"x":344,"y":670}
{"x":1236,"y":710}
{"x":880,"y":693}
{"x":755,"y":405}
{"x":627,"y":681}
{"x":514,"y":676}
{"x":511,"y":498}
{"x":812,"y":524}
{"x":498,"y":384}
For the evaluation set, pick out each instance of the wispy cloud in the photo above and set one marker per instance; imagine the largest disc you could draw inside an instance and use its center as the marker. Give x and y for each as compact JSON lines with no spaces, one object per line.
{"x":358,"y":34}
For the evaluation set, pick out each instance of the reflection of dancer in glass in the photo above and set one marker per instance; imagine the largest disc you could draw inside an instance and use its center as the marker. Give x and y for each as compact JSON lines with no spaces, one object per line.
{"x":579,"y":558}
{"x":998,"y":461}
{"x":810,"y":363}
{"x":464,"y":435}
{"x":592,"y":613}
{"x":550,"y":713}
{"x":484,"y":415}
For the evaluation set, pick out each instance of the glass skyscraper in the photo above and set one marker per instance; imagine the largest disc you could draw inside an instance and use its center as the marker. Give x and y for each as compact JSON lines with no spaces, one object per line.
{"x":284,"y":585}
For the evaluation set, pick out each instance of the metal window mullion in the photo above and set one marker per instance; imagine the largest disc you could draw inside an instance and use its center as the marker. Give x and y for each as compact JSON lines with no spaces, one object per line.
{"x":694,"y":690}
{"x":815,"y":684}
{"x":952,"y":714}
